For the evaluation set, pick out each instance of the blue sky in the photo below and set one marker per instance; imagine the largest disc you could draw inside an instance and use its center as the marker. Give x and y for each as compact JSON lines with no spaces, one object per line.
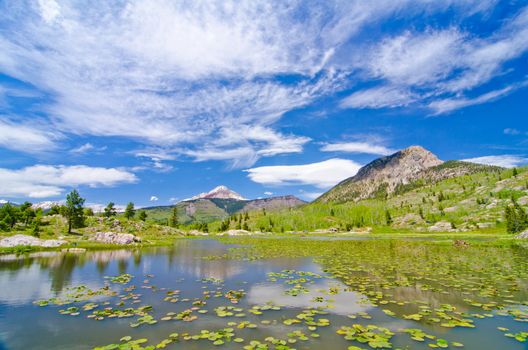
{"x":155,"y":101}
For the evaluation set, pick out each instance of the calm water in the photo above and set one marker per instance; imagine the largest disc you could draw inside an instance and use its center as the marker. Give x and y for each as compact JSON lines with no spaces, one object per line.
{"x":24,"y":325}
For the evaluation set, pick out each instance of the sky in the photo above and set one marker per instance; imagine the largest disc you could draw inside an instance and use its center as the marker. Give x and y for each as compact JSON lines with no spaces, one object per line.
{"x":155,"y":101}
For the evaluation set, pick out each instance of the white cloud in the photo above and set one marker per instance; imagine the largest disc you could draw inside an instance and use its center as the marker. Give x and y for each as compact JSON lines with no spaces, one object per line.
{"x":505,"y":160}
{"x":153,"y":198}
{"x":438,"y":68}
{"x":378,"y":97}
{"x":511,"y":131}
{"x":40,"y":181}
{"x":87,"y":147}
{"x":173,"y":199}
{"x":357,"y":147}
{"x":268,"y":193}
{"x":411,"y":59}
{"x":322,"y":174}
{"x":49,"y":10}
{"x":158,"y":71}
{"x":26,"y":138}
{"x":310,"y":195}
{"x":451,"y":104}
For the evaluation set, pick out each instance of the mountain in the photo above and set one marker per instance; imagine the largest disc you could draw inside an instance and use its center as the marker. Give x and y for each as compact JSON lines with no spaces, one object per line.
{"x":218,"y":204}
{"x":453,"y":196}
{"x":404,"y":170}
{"x":219,"y":192}
{"x":47,"y":205}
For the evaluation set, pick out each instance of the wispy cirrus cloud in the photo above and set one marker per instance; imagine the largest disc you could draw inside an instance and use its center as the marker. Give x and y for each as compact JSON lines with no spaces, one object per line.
{"x":357,"y":147}
{"x":41,"y":181}
{"x":321,"y":174}
{"x":26,"y":137}
{"x":183,"y":75}
{"x":440,"y":69}
{"x":504,"y":160}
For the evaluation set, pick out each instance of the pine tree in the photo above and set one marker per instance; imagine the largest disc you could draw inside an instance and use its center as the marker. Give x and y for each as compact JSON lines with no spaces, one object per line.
{"x":142,"y":215}
{"x":174,"y":217}
{"x":110,"y":210}
{"x":130,"y":211}
{"x":515,"y":172}
{"x":74,"y":210}
{"x":516,"y":218}
{"x":388,"y":217}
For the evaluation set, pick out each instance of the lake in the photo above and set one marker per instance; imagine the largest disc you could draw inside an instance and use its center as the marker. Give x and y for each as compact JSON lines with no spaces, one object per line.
{"x":276,"y":294}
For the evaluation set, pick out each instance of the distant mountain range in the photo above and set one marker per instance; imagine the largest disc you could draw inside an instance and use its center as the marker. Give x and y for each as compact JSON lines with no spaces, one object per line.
{"x":218,"y":204}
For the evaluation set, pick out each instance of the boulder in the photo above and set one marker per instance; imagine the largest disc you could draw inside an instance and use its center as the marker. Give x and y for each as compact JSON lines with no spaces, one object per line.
{"x":523,"y":235}
{"x":237,"y":233}
{"x":25,"y":240}
{"x":408,"y":220}
{"x":115,"y":238}
{"x":441,"y":226}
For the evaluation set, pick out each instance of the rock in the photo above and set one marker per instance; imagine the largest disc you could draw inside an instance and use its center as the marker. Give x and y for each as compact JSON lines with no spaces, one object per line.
{"x":485,"y":224}
{"x":21,"y":240}
{"x":73,"y":250}
{"x":410,"y":219}
{"x":237,"y":233}
{"x":460,"y":243}
{"x":523,"y":235}
{"x":523,"y":200}
{"x":115,"y":238}
{"x":197,"y":233}
{"x":441,"y":226}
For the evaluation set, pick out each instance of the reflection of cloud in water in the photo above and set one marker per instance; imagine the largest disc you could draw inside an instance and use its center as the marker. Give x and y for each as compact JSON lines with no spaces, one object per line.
{"x":24,"y":286}
{"x":15,"y":257}
{"x":345,"y":303}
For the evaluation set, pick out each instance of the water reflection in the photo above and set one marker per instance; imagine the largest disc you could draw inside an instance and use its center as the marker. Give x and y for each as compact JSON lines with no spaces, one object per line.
{"x":345,"y":303}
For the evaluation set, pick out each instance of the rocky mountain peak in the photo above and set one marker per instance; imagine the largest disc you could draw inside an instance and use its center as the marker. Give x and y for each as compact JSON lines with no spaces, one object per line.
{"x":384,"y":174}
{"x":221,"y":192}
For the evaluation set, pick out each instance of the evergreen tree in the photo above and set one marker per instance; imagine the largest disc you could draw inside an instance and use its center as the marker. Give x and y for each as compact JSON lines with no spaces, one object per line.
{"x":174,"y":217}
{"x":515,"y":172}
{"x":516,"y":218}
{"x":388,"y":217}
{"x":74,"y":210}
{"x":110,"y":210}
{"x":130,"y":211}
{"x":142,"y":215}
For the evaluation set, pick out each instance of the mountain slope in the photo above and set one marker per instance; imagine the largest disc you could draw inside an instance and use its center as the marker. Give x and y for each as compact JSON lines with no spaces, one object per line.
{"x":404,"y":170}
{"x":212,"y":209}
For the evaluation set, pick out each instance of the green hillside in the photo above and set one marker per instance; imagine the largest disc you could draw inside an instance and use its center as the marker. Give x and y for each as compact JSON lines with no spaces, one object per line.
{"x":473,"y":202}
{"x":213,"y":209}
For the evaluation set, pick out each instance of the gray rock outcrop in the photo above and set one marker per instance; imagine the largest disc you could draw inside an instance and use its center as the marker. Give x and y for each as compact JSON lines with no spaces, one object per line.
{"x":115,"y":238}
{"x":25,"y":240}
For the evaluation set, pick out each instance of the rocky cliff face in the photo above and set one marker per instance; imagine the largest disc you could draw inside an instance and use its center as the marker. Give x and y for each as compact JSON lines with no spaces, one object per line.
{"x":384,"y":175}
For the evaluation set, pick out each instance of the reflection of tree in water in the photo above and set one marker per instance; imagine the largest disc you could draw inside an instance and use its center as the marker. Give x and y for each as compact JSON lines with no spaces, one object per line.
{"x":61,"y":270}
